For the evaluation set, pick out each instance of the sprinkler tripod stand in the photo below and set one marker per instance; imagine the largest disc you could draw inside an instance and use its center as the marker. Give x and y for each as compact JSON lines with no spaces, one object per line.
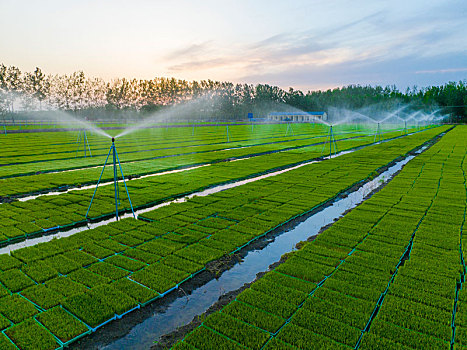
{"x":85,"y":143}
{"x":289,"y":127}
{"x":405,"y":128}
{"x":332,"y":142}
{"x":113,"y":150}
{"x":378,"y":134}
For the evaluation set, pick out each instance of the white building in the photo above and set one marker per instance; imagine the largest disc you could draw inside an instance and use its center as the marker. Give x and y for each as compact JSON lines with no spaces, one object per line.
{"x":297,"y":116}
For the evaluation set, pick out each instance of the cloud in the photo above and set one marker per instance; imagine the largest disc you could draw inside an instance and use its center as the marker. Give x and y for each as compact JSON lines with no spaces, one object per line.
{"x":398,"y":71}
{"x":437,"y":71}
{"x":191,"y":50}
{"x":200,"y":64}
{"x":376,"y":48}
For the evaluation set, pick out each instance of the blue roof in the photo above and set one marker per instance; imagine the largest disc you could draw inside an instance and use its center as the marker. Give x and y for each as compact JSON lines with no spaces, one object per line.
{"x":296,"y":113}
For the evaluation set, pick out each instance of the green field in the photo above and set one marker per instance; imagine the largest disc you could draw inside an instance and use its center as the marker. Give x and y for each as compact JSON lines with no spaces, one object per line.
{"x":389,"y":273}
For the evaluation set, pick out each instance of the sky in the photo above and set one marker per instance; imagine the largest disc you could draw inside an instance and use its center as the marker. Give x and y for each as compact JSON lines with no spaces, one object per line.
{"x":307,"y":45}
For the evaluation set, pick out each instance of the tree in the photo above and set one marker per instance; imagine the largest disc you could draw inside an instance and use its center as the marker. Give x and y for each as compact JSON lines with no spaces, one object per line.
{"x":13,"y":85}
{"x":31,"y":90}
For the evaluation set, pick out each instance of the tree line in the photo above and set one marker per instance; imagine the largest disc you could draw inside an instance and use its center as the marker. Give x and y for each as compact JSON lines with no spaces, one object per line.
{"x":35,"y":92}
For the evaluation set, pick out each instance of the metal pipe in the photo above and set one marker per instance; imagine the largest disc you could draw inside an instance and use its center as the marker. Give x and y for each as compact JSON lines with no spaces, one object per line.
{"x":115,"y":177}
{"x":89,"y":148}
{"x":126,"y":188}
{"x":100,"y":177}
{"x":78,"y":141}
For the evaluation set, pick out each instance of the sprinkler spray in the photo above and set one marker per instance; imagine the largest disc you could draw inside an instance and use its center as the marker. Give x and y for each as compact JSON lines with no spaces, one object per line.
{"x":113,"y":150}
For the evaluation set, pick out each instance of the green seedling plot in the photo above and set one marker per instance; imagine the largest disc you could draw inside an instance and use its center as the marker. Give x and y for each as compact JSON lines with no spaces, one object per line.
{"x":151,"y":148}
{"x":147,"y":145}
{"x":16,"y":308}
{"x":46,"y":213}
{"x":31,"y":335}
{"x":74,"y":285}
{"x":62,"y":324}
{"x":42,"y":296}
{"x":387,"y":275}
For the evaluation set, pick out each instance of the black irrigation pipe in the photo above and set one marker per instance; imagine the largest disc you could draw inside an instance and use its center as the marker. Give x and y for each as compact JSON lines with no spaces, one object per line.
{"x":246,"y":156}
{"x":8,"y":199}
{"x":211,"y":133}
{"x":164,"y":148}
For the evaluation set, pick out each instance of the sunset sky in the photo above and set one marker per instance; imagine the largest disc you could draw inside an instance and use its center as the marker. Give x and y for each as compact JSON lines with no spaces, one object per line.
{"x":303,"y":44}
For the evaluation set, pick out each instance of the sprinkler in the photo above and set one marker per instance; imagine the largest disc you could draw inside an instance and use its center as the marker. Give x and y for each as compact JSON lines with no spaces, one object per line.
{"x":332,"y":142}
{"x":289,"y":127}
{"x":113,"y":150}
{"x":378,"y":134}
{"x":227,"y":133}
{"x":85,"y":143}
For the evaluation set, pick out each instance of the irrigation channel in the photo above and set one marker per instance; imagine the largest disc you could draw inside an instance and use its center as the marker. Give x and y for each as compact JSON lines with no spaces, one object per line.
{"x":60,"y":233}
{"x":145,"y":327}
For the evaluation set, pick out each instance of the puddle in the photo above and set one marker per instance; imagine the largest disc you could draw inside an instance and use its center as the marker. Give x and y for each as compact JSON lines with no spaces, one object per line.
{"x":181,"y":310}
